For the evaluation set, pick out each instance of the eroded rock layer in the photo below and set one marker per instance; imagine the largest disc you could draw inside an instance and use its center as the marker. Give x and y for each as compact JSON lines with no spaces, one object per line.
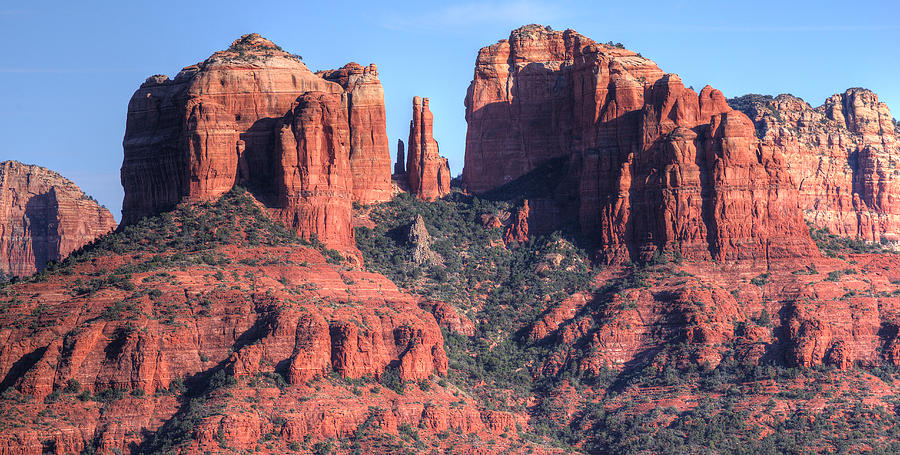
{"x":294,"y":345}
{"x":44,"y":218}
{"x":652,"y":165}
{"x":427,"y":171}
{"x":218,"y":124}
{"x":843,"y":156}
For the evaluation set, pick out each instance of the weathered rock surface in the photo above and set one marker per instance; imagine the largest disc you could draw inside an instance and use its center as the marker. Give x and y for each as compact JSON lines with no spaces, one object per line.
{"x":652,"y":165}
{"x":427,"y":171}
{"x":218,"y":123}
{"x":298,"y":344}
{"x":315,"y":177}
{"x":44,"y":218}
{"x":841,"y":322}
{"x":517,"y":231}
{"x":421,"y":240}
{"x":843,"y":156}
{"x":370,"y":158}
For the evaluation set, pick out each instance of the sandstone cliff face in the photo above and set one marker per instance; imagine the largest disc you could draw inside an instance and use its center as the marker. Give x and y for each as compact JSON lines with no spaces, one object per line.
{"x":316,"y":177}
{"x":652,"y":165}
{"x":370,"y":158}
{"x":427,"y":171}
{"x":218,"y":124}
{"x":843,"y":156}
{"x":44,"y":218}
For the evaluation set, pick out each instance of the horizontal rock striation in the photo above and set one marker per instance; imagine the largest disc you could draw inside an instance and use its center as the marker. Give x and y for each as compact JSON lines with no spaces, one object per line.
{"x":219,"y":123}
{"x":653,"y":166}
{"x":844,"y":157}
{"x":44,"y":218}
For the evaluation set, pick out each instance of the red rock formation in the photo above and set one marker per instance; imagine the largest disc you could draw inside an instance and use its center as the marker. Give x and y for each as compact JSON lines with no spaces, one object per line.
{"x":449,"y":317}
{"x":842,"y":155}
{"x":653,"y":166}
{"x":315,"y":179}
{"x":214,"y":126}
{"x":428,"y":172}
{"x":370,"y":158}
{"x":517,"y":231}
{"x":44,"y":218}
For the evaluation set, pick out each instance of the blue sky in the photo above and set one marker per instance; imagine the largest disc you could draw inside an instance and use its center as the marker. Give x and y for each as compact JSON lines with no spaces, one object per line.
{"x":69,"y":68}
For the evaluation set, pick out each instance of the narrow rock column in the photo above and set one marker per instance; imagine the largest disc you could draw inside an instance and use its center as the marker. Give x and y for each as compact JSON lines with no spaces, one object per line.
{"x":428,"y":172}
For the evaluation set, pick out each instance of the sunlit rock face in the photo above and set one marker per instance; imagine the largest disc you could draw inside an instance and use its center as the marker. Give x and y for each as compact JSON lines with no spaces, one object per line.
{"x":651,"y":164}
{"x":844,"y":157}
{"x":223,"y":122}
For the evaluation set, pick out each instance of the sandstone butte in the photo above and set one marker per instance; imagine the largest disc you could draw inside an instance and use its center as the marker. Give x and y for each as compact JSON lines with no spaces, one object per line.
{"x":305,"y":144}
{"x":843,"y":156}
{"x":651,"y":165}
{"x":427,"y":172}
{"x":44,"y":218}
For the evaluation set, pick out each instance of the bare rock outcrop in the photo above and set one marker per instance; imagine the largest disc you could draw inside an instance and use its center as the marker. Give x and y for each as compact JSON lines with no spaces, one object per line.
{"x":421,"y":241}
{"x":400,"y":165}
{"x":651,"y":164}
{"x":842,"y":155}
{"x":218,"y":124}
{"x":427,"y":171}
{"x":44,"y":218}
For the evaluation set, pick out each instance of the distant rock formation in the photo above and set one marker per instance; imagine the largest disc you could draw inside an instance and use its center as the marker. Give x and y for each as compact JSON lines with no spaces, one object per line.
{"x":652,"y":165}
{"x":44,"y":218}
{"x":224,"y":122}
{"x":427,"y":171}
{"x":844,"y":157}
{"x":400,"y":165}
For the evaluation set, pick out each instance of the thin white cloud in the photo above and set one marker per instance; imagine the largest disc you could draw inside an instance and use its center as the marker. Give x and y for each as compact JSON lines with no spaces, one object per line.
{"x":473,"y":14}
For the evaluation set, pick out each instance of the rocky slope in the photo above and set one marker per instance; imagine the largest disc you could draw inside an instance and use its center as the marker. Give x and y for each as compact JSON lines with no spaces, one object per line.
{"x":214,"y":328}
{"x":652,"y":166}
{"x":44,"y":218}
{"x":842,"y":155}
{"x":227,"y":120}
{"x":667,"y":356}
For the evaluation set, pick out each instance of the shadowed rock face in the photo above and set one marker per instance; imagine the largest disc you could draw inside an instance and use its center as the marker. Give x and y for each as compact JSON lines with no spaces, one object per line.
{"x":44,"y":218}
{"x":219,"y":124}
{"x":843,"y":155}
{"x":652,"y":165}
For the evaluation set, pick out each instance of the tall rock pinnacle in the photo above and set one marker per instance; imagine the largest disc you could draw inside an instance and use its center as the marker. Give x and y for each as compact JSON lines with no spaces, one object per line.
{"x":428,"y":172}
